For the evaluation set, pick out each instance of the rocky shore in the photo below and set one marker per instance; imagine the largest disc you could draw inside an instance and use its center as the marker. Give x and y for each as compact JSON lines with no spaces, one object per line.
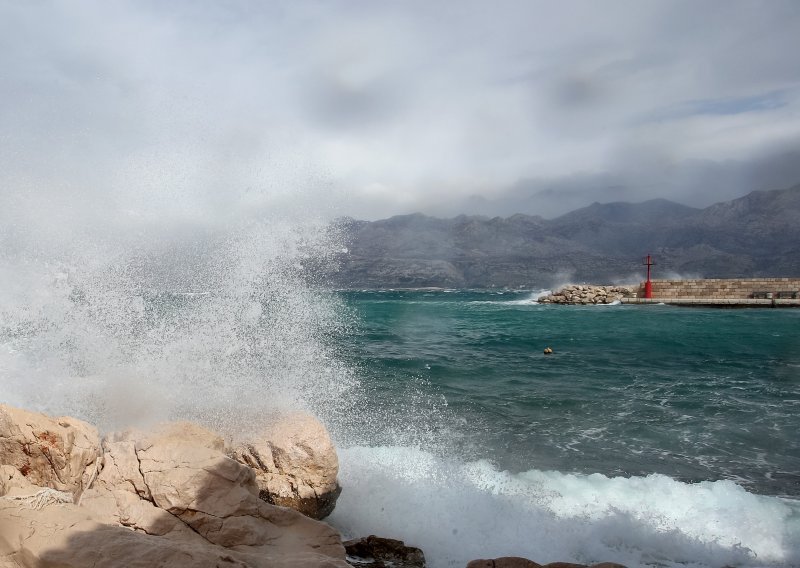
{"x":178,"y":495}
{"x":589,"y":294}
{"x":175,"y":495}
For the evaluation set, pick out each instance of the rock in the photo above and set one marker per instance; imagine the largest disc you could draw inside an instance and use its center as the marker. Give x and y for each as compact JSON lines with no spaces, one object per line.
{"x":213,"y":494}
{"x":377,"y":552}
{"x":50,"y":452}
{"x":517,"y":562}
{"x":13,"y":483}
{"x":120,"y":494}
{"x":586,"y":294}
{"x":169,"y":497}
{"x":67,"y":536}
{"x":295,"y":464}
{"x":573,"y":565}
{"x":504,"y":562}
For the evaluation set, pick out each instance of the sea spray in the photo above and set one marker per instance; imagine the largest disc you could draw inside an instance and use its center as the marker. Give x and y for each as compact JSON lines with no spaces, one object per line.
{"x":124,"y":317}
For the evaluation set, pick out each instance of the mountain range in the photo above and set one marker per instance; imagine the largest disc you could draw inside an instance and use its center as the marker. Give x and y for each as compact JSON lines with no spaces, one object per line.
{"x":755,"y":235}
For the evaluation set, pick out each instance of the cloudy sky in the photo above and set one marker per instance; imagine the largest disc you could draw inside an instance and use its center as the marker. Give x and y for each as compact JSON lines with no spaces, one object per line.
{"x":378,"y":108}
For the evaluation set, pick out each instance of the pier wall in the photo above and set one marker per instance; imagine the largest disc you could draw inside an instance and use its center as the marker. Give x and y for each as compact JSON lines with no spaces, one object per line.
{"x":721,"y":288}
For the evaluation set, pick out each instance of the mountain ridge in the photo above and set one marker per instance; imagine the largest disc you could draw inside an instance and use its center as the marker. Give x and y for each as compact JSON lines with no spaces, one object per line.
{"x":754,"y":235}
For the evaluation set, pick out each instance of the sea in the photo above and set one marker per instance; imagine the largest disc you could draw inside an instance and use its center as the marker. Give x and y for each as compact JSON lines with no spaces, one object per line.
{"x":652,"y":435}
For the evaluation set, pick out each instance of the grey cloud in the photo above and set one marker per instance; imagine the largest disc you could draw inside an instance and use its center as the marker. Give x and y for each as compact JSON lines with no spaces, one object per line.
{"x":386,"y":108}
{"x":697,"y":183}
{"x":350,"y":87}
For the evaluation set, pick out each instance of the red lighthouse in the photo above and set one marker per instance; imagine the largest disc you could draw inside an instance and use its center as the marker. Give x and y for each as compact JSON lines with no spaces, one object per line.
{"x":648,"y":286}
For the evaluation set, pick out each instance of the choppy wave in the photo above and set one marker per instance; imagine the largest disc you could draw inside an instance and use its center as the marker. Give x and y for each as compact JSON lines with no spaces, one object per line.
{"x":531,"y":299}
{"x":457,"y":511}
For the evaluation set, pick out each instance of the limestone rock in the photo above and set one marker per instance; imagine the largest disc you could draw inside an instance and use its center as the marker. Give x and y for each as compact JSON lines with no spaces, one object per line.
{"x":13,"y":483}
{"x":66,"y":536}
{"x":51,"y":452}
{"x":120,"y":494}
{"x":169,"y":497}
{"x":187,"y":475}
{"x":378,"y":552}
{"x":295,"y":464}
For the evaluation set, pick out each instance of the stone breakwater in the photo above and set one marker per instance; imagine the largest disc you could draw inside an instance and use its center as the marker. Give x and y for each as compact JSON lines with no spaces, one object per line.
{"x":726,"y":288}
{"x":178,"y":495}
{"x":589,"y":294}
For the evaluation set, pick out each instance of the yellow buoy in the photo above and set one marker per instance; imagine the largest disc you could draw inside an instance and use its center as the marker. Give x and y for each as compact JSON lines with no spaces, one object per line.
{"x":547,"y":351}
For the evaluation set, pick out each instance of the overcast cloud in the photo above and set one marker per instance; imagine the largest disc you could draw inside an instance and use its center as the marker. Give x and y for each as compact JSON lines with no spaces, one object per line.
{"x":381,"y":108}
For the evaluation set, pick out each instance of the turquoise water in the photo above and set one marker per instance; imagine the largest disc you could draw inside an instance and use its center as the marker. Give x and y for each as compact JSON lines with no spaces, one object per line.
{"x":652,"y":436}
{"x":695,"y":394}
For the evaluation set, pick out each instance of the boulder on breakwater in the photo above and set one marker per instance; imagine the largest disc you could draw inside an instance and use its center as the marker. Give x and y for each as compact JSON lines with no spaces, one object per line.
{"x":170,"y":496}
{"x":589,"y":294}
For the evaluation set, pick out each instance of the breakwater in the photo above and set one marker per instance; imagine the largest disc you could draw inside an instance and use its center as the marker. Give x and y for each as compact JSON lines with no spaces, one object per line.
{"x":774,"y":292}
{"x":723,"y":292}
{"x":588,"y":294}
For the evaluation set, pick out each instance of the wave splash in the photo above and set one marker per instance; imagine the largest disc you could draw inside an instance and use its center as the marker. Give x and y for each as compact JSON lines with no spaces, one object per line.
{"x":457,"y":511}
{"x":123,"y":317}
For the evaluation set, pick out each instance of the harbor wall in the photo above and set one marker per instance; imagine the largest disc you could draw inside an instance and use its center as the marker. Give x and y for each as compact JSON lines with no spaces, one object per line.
{"x":723,"y":288}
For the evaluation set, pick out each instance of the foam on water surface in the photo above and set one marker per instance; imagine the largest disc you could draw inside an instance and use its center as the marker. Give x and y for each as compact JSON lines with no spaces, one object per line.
{"x":458,"y":511}
{"x":532,"y":299}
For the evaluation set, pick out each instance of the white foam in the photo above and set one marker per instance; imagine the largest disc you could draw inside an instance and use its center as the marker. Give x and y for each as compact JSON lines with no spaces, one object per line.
{"x":457,"y":512}
{"x":532,"y":300}
{"x":525,"y":302}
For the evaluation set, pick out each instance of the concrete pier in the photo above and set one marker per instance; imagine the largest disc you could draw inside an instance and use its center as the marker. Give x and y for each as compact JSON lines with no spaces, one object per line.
{"x":723,"y":292}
